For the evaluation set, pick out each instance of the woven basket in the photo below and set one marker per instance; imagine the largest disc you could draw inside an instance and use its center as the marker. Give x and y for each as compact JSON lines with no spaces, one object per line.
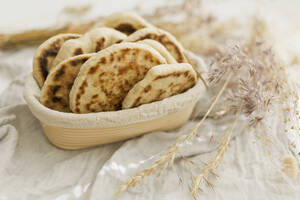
{"x":78,"y":131}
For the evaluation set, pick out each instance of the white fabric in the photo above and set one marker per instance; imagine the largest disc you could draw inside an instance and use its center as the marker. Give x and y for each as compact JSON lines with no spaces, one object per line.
{"x":31,"y":168}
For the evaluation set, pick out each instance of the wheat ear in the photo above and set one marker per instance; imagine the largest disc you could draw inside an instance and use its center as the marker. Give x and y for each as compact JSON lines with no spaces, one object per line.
{"x":215,"y":161}
{"x":167,"y":159}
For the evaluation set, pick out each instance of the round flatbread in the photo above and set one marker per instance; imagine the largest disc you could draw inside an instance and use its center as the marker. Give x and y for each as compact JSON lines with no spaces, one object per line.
{"x":160,"y":82}
{"x":105,"y":79}
{"x":93,"y":41}
{"x":163,"y":37}
{"x":161,"y":49}
{"x":45,"y":55}
{"x":125,"y":22}
{"x":56,"y":89}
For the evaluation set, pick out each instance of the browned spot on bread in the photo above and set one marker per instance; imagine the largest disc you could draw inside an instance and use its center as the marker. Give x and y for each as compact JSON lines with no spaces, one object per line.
{"x":51,"y":51}
{"x":125,"y":51}
{"x":126,"y":28}
{"x":56,"y":99}
{"x":74,"y":63}
{"x":81,"y":91}
{"x":119,"y":41}
{"x":103,"y":60}
{"x":100,"y":44}
{"x":192,"y":79}
{"x":176,"y":74}
{"x":95,"y":96}
{"x":88,"y":106}
{"x":93,"y":70}
{"x":146,"y":56}
{"x":43,"y":66}
{"x":55,"y":89}
{"x":186,"y":73}
{"x":171,"y":46}
{"x":111,"y":57}
{"x":123,"y":70}
{"x":164,"y":40}
{"x":77,"y":98}
{"x":60,"y":73}
{"x":70,"y":86}
{"x":147,"y":36}
{"x":160,"y":92}
{"x":77,"y":52}
{"x":54,"y":48}
{"x":136,"y":102}
{"x":147,"y":88}
{"x":83,"y":86}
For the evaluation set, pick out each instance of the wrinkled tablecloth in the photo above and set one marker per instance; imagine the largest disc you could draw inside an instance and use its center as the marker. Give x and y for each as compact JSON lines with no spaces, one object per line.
{"x":33,"y":169}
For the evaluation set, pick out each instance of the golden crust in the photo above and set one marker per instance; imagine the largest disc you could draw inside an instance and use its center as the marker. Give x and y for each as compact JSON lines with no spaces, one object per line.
{"x":105,"y":79}
{"x":163,"y":37}
{"x":126,"y":22}
{"x":160,"y":82}
{"x":45,"y":55}
{"x":92,"y":41}
{"x":55,"y":92}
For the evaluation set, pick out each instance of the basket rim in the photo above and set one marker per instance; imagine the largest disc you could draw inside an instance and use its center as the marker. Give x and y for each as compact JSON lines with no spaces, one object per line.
{"x":141,"y":113}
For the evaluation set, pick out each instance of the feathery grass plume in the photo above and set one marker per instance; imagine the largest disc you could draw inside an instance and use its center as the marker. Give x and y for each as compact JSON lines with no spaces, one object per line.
{"x":255,"y":83}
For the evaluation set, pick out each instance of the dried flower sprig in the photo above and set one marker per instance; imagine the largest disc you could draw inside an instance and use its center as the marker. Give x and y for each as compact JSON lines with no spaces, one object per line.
{"x":255,"y":83}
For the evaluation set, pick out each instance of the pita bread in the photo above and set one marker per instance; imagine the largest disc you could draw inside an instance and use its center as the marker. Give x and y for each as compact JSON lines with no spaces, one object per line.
{"x":160,"y":82}
{"x":163,"y":37}
{"x":161,"y":49}
{"x":93,"y":41}
{"x":56,"y":89}
{"x":125,"y":22}
{"x":105,"y":79}
{"x":103,"y":37}
{"x":45,"y":55}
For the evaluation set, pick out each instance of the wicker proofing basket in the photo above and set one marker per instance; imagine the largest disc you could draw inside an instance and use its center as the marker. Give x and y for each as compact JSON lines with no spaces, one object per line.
{"x":78,"y":131}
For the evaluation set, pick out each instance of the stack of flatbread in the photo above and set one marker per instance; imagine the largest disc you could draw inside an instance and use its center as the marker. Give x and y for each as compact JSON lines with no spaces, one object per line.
{"x":122,"y":63}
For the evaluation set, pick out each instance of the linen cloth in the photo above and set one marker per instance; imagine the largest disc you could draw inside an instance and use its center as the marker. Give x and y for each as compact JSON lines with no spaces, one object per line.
{"x":31,"y":168}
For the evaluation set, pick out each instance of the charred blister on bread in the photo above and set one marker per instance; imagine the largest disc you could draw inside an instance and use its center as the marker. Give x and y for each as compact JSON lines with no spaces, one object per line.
{"x":106,"y":78}
{"x":46,"y":53}
{"x":93,"y":41}
{"x":160,"y":82}
{"x":126,"y":28}
{"x":55,"y":92}
{"x":163,"y":37}
{"x":126,"y":22}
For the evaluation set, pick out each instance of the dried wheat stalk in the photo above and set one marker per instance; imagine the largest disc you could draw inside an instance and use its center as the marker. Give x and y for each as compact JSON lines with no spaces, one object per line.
{"x":167,"y":159}
{"x":215,"y":161}
{"x":185,"y":32}
{"x":33,"y":37}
